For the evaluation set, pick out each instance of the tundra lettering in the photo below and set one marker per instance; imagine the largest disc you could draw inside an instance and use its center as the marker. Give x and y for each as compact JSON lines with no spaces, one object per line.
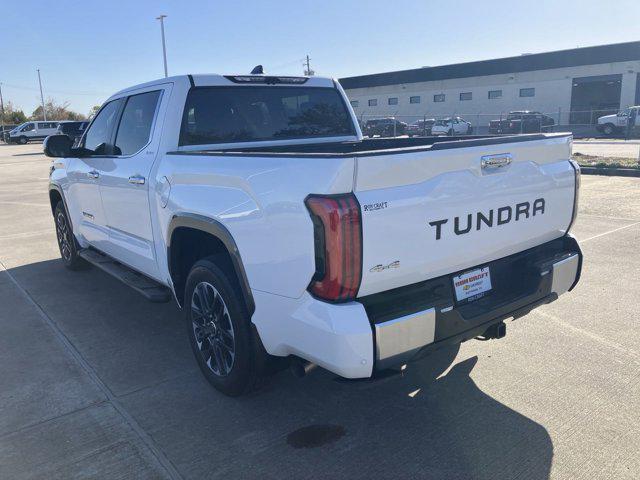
{"x":504,"y":216}
{"x":286,"y":237}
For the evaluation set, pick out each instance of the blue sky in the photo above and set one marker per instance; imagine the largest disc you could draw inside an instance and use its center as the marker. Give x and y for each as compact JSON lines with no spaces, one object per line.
{"x":87,"y":50}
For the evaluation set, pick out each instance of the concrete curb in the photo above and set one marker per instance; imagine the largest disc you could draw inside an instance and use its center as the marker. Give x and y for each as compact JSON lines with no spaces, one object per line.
{"x":617,"y":172}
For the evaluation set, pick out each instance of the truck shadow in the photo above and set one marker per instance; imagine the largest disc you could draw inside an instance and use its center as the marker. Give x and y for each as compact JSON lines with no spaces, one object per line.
{"x":421,"y":424}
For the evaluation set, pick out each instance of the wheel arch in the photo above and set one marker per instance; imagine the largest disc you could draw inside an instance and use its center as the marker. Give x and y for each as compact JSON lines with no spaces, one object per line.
{"x":208,"y":237}
{"x":56,"y":195}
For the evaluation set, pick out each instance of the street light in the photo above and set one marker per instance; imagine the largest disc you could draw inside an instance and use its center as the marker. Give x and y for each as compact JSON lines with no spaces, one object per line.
{"x":44,"y":114}
{"x":164,"y":47}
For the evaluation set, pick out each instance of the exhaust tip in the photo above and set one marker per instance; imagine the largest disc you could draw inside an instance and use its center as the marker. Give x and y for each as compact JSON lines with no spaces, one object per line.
{"x":300,"y":368}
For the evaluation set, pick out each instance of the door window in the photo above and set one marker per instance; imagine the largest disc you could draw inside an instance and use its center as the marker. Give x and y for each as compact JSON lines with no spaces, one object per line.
{"x":28,"y":127}
{"x":135,"y":126}
{"x":98,"y":137}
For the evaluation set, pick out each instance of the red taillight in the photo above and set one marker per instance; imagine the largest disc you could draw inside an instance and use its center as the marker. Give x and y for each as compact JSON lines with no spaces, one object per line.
{"x":338,"y":242}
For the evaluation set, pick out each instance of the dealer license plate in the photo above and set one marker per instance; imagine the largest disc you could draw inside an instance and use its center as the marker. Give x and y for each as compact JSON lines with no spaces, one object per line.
{"x":472,"y":285}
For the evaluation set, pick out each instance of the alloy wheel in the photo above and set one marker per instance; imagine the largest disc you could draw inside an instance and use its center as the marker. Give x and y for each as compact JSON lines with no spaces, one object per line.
{"x":212,"y":329}
{"x":62,"y":231}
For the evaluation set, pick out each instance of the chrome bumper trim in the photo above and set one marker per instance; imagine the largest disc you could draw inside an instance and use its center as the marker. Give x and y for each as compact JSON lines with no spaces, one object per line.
{"x":403,"y":336}
{"x":564,"y":274}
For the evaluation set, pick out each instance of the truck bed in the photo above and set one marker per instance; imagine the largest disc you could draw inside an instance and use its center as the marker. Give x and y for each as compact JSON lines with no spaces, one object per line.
{"x":378,"y":146}
{"x":432,"y":206}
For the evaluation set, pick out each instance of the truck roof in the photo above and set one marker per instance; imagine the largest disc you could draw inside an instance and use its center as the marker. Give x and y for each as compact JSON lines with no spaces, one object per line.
{"x":214,"y":79}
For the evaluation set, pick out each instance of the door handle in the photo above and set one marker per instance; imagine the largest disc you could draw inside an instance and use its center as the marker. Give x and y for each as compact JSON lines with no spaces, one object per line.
{"x":93,"y":174}
{"x":496,"y":161}
{"x":136,"y":179}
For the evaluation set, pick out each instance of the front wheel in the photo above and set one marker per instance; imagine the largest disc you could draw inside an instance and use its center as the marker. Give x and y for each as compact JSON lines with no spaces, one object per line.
{"x":67,"y":242}
{"x":22,"y":140}
{"x":608,"y":129}
{"x":219,"y":330}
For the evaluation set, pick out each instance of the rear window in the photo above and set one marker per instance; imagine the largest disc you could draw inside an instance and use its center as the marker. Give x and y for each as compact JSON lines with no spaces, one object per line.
{"x":249,"y":114}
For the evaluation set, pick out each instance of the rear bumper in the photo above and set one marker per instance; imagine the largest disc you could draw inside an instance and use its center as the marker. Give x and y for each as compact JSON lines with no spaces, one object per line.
{"x":391,"y":328}
{"x":433,"y":318}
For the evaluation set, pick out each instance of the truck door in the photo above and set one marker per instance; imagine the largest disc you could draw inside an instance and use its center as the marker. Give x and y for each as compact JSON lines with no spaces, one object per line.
{"x":84,"y":201}
{"x":125,"y":180}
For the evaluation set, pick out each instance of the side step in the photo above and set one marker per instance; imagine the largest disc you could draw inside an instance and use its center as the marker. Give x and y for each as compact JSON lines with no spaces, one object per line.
{"x":152,"y":290}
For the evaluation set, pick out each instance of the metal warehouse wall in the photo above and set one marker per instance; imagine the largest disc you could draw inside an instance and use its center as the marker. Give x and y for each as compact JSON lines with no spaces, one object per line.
{"x":552,"y":93}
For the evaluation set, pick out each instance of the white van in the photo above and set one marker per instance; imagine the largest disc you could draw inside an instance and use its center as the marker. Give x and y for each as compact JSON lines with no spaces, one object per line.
{"x":32,"y":131}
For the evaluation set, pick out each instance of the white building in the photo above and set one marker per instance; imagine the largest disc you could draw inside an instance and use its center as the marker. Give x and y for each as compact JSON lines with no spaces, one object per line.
{"x":573,"y":86}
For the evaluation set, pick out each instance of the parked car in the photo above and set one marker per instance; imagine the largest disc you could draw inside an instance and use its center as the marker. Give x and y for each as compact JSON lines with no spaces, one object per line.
{"x":615,"y":124}
{"x":4,"y":132}
{"x":385,"y":127}
{"x":451,"y":126}
{"x":522,"y":122}
{"x":286,"y":237}
{"x":420,"y":128}
{"x":30,"y":131}
{"x":73,"y":130}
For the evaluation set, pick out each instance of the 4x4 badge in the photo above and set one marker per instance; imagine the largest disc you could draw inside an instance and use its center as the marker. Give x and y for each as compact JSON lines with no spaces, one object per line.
{"x":380,"y":268}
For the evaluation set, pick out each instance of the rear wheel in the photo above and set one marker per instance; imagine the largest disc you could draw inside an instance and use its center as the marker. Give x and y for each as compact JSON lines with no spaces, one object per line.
{"x":219,"y":330}
{"x":67,"y":242}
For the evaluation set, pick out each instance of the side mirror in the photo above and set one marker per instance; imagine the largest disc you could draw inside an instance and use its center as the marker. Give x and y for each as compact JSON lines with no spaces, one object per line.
{"x":57,"y":146}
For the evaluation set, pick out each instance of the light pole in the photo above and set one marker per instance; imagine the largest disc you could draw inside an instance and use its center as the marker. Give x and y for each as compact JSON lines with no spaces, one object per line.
{"x":164,"y":47}
{"x":1,"y":113}
{"x":44,"y":113}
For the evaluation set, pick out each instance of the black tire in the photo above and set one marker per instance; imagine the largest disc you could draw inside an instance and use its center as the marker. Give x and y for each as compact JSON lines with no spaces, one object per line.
{"x":23,"y":140}
{"x":608,"y":129}
{"x":220,"y":332}
{"x":67,"y":242}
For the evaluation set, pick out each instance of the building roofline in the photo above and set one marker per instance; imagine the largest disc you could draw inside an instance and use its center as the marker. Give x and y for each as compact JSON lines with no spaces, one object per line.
{"x":617,"y":52}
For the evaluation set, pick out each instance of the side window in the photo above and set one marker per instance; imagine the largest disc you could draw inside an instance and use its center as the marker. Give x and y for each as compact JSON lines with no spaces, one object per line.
{"x":42,"y":125}
{"x":135,"y":125}
{"x":98,"y":136}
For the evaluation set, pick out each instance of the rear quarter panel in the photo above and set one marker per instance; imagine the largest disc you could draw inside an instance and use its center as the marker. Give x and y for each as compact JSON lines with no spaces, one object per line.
{"x":260,"y":200}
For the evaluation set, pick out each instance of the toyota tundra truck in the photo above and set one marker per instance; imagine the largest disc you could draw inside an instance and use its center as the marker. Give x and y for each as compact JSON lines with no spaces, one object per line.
{"x":256,"y":204}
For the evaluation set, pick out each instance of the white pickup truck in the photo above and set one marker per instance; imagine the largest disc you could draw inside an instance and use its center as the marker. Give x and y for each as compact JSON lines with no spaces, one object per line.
{"x":255,"y":202}
{"x":616,"y":124}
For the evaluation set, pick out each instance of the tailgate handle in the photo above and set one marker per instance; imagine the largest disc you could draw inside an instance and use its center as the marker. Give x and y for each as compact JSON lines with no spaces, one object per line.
{"x":496,"y":161}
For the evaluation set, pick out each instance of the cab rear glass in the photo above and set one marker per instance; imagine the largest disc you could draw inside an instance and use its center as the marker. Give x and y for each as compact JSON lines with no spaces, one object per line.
{"x":256,"y":113}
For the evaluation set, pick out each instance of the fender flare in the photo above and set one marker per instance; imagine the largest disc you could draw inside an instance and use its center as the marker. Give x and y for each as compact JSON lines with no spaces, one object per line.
{"x":218,"y":230}
{"x":58,"y":188}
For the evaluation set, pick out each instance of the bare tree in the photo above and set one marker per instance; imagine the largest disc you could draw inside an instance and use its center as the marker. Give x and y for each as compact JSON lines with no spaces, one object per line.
{"x":57,"y":111}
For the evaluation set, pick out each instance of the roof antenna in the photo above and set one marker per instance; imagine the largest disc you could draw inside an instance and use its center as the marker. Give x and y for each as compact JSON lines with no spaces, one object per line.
{"x":257,"y":70}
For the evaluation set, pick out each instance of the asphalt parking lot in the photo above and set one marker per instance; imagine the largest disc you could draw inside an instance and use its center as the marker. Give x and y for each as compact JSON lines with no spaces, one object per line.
{"x":97,"y":383}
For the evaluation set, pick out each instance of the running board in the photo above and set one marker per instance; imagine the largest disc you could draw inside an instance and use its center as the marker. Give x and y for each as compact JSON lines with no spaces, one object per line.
{"x":150,"y":289}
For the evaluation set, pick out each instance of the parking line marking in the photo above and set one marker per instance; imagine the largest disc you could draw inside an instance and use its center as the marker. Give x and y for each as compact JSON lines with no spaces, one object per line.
{"x":591,"y":335}
{"x":607,"y":217}
{"x":8,"y":202}
{"x":25,"y":234}
{"x":145,"y":438}
{"x":610,"y":231}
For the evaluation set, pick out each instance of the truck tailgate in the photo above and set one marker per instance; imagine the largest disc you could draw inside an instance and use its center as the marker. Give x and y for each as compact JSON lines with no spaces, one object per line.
{"x":437,"y":211}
